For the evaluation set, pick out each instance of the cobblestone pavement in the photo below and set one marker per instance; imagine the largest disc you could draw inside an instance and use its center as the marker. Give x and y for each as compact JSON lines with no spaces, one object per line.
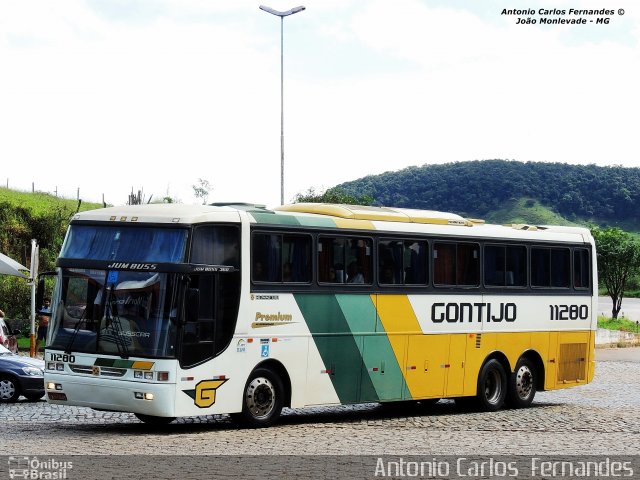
{"x":601,"y":418}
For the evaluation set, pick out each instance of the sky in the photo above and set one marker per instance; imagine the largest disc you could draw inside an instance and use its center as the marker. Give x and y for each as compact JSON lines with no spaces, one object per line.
{"x":153,"y":95}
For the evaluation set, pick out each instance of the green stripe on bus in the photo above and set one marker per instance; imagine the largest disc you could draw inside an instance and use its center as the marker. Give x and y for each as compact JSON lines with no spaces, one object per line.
{"x":340,"y":350}
{"x":316,"y":222}
{"x":113,"y":362}
{"x":275,"y":219}
{"x":379,"y":358}
{"x":306,"y":221}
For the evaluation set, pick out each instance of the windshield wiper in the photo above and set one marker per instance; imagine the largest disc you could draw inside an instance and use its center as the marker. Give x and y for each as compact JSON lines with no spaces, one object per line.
{"x":76,"y":329}
{"x":114,"y":319}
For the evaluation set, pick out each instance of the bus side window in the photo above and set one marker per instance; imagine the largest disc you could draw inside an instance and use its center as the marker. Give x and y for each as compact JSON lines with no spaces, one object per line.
{"x":505,"y":266}
{"x":444,"y":263}
{"x":267,"y":258}
{"x":540,"y":267}
{"x":402,"y":262}
{"x":560,"y":267}
{"x":345,"y":260}
{"x":416,"y":259}
{"x":216,"y":245}
{"x":581,"y":277}
{"x":550,"y":267}
{"x":281,"y":258}
{"x":456,"y":264}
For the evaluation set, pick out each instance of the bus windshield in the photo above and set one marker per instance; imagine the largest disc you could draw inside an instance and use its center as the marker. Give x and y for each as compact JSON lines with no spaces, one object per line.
{"x":115,"y":312}
{"x":125,"y":243}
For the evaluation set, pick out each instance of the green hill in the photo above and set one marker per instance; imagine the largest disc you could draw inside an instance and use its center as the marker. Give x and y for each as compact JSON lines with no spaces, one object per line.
{"x":24,"y":216}
{"x":526,"y":210}
{"x":501,"y":190}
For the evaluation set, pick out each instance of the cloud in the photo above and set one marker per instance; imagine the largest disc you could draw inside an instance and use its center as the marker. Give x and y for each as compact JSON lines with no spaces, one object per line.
{"x":107,"y":96}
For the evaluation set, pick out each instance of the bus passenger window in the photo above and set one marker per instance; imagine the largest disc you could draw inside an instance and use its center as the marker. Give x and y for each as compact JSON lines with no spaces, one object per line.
{"x":581,"y":278}
{"x":344,"y":260}
{"x":267,"y":258}
{"x":494,"y":266}
{"x":416,"y":258}
{"x":540,"y":268}
{"x":444,"y":263}
{"x":456,"y":264}
{"x":560,"y":267}
{"x":505,"y":266}
{"x":402,"y":262}
{"x":281,"y":258}
{"x":468,"y":264}
{"x":550,"y":267}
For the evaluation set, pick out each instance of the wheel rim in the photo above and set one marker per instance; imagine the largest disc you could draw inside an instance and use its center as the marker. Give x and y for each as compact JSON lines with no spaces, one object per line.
{"x":524,"y":382}
{"x":7,"y":389}
{"x":260,"y":397}
{"x":493,"y":387}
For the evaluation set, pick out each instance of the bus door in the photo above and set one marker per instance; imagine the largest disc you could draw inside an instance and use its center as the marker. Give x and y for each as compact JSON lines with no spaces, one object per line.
{"x":211,"y":308}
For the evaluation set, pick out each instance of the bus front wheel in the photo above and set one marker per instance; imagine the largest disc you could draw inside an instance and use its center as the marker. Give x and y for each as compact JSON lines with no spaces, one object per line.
{"x":262,"y":399}
{"x":492,"y":386}
{"x":522,"y":384}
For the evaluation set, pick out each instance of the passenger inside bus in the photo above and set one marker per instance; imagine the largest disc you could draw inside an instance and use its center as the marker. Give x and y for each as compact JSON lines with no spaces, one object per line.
{"x":354,"y":273}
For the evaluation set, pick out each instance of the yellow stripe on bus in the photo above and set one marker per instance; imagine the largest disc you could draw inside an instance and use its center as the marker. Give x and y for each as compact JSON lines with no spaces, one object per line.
{"x":355,"y":224}
{"x":399,"y":321}
{"x":142,"y":365}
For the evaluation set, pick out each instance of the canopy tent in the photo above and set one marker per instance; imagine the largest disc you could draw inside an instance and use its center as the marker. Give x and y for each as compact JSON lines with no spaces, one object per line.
{"x":8,"y":266}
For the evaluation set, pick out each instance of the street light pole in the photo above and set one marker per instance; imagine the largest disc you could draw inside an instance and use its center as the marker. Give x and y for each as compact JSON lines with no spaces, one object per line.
{"x":282,"y":15}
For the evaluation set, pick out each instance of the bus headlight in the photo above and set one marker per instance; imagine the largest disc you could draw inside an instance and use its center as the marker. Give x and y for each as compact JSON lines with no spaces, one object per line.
{"x":143,"y":395}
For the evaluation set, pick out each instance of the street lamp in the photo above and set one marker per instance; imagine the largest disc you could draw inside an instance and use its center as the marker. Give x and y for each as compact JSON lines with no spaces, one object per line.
{"x":282,"y":15}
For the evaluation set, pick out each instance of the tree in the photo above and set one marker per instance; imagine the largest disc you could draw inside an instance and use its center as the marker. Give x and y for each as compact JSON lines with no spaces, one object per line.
{"x":202,"y":189}
{"x":618,"y":261}
{"x":332,"y":195}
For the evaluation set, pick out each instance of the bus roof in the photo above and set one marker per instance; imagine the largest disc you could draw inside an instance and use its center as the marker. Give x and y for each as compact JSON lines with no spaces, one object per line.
{"x":175,"y":213}
{"x":333,"y":216}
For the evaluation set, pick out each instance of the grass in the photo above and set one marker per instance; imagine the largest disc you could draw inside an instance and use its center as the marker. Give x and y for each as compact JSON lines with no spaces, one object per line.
{"x":528,"y":211}
{"x":40,"y":203}
{"x":622,"y":324}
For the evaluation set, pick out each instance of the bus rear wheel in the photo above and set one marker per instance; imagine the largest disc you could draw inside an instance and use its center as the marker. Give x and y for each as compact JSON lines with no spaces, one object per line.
{"x":522,"y":384}
{"x":262,"y":399}
{"x":153,"y":420}
{"x":492,"y":386}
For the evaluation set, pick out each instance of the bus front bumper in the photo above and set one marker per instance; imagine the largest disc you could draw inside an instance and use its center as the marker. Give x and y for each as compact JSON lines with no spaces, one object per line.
{"x":156,"y":399}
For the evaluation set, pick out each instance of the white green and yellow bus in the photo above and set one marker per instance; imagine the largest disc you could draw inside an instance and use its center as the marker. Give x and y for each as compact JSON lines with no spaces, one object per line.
{"x":172,"y":310}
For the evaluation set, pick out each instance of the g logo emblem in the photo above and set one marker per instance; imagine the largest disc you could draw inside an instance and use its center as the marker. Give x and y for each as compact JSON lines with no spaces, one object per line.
{"x":206,"y":392}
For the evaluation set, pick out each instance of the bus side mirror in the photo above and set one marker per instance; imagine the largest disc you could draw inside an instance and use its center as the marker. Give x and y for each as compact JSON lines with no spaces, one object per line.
{"x":40,"y":292}
{"x":192,"y":305}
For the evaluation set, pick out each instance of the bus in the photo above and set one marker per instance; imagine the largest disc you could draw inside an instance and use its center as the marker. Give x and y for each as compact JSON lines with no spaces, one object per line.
{"x":168,"y":311}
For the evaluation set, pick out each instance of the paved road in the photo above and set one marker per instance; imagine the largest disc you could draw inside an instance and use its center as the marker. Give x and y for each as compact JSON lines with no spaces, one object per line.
{"x":600,"y":418}
{"x":630,"y":307}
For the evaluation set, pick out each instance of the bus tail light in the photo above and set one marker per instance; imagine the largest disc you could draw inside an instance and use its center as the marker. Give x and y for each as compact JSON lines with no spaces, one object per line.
{"x":163,"y":376}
